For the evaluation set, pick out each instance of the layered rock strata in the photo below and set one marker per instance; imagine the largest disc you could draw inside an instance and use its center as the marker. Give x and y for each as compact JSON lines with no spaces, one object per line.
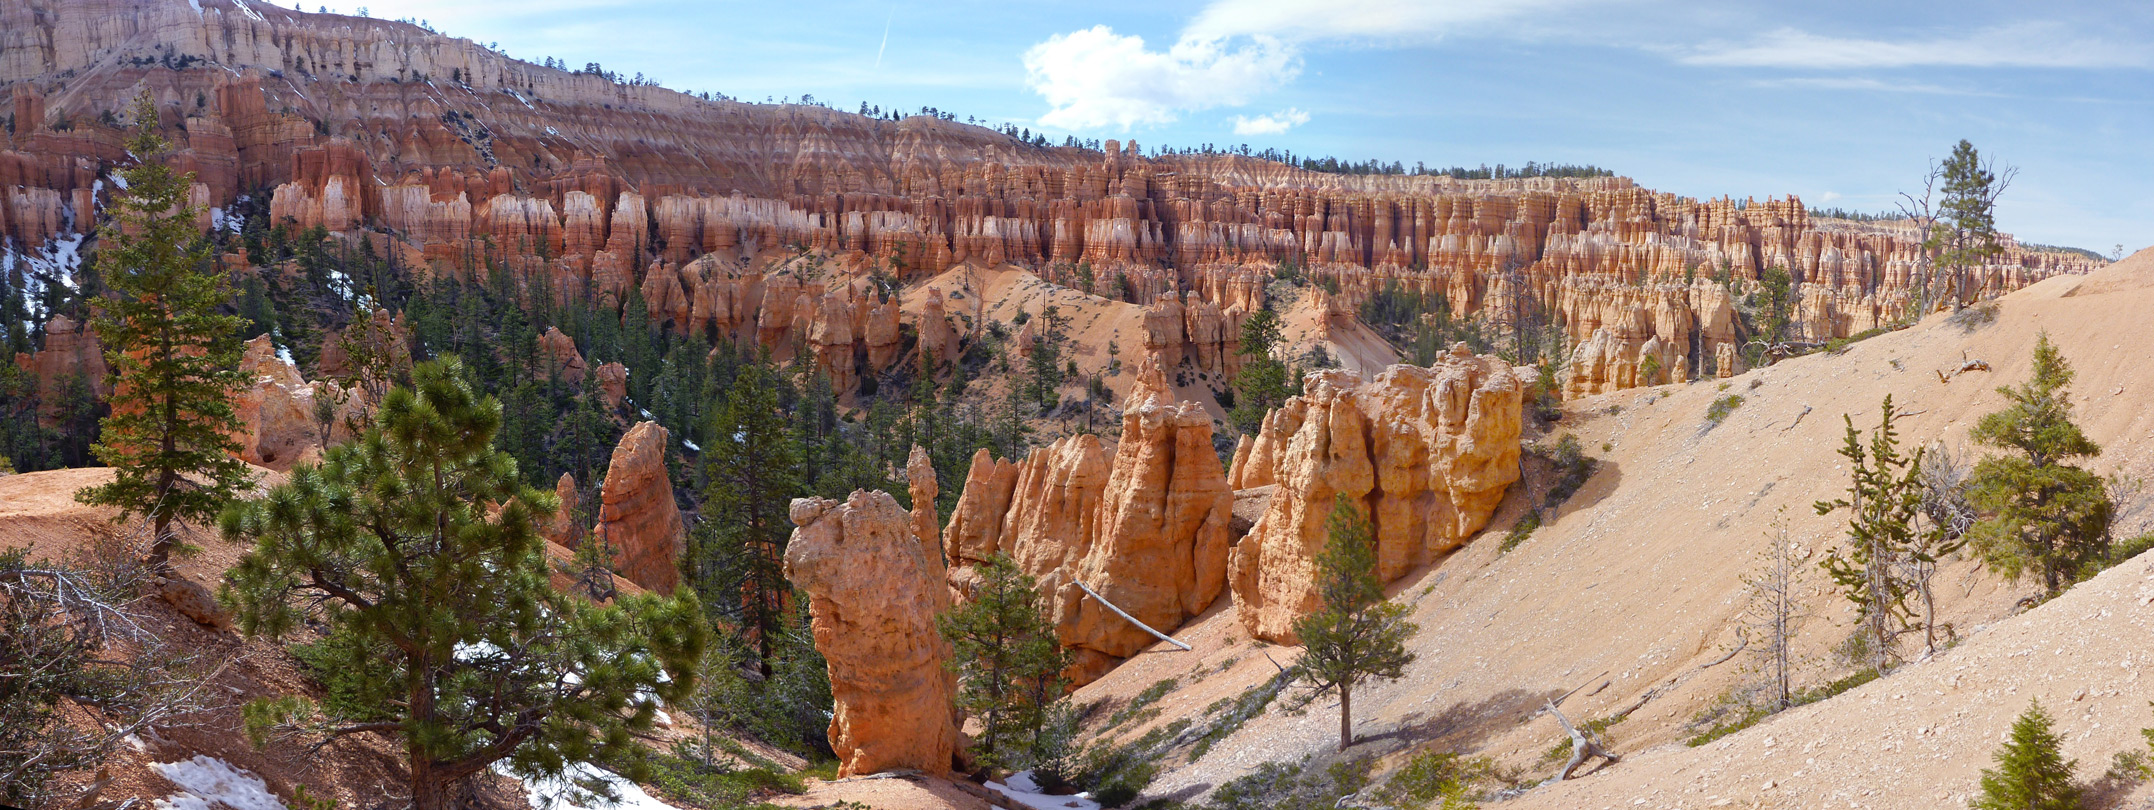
{"x":1426,"y":452}
{"x":873,"y":595}
{"x":455,"y":157}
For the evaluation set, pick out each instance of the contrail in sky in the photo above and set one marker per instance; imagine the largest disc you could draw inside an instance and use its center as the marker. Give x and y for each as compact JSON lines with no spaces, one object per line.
{"x":886,"y":38}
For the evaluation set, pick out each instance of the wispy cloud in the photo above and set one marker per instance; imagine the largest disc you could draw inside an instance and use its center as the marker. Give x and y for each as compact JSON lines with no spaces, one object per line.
{"x":1865,"y":84}
{"x":1312,"y":20}
{"x":2032,"y":44}
{"x":1273,"y":124}
{"x":1098,"y":78}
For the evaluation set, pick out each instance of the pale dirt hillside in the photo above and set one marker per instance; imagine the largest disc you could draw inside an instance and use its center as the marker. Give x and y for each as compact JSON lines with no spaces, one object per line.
{"x":1637,"y":584}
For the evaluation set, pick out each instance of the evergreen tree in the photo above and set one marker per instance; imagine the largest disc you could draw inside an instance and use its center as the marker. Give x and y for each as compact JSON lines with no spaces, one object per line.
{"x":1005,"y":651}
{"x":751,"y":465}
{"x":1263,"y":382}
{"x":1884,"y":499}
{"x":2031,"y":773}
{"x":419,"y":547}
{"x":176,"y":359}
{"x":2041,"y":514}
{"x":1964,"y":232}
{"x":1356,"y":634}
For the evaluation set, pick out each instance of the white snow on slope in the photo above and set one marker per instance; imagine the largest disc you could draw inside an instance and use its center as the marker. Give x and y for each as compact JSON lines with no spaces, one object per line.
{"x":208,"y":782}
{"x":561,"y":794}
{"x":1021,"y":789}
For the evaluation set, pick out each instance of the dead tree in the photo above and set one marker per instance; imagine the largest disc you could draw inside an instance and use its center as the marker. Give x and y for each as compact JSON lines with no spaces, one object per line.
{"x":1584,"y":746}
{"x":1774,"y":610}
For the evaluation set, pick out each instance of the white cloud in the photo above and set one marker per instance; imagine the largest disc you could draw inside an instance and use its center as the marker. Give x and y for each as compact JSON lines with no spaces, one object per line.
{"x":1274,"y":124}
{"x":1098,"y":78}
{"x":1309,"y":20}
{"x":2037,"y":44}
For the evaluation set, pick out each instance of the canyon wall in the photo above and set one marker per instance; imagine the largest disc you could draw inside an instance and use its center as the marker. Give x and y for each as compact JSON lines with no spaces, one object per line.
{"x":458,"y":158}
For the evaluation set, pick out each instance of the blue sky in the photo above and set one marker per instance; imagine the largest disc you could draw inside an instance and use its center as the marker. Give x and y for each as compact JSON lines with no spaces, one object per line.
{"x":1843,"y":103}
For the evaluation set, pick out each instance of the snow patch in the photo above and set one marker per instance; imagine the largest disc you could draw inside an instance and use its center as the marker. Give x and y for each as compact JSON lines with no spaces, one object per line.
{"x":247,"y":10}
{"x":563,"y":794}
{"x":206,"y":782}
{"x":692,"y":448}
{"x":1021,"y":789}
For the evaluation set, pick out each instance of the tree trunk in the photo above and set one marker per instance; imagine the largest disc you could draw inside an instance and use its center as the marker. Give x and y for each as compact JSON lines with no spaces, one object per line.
{"x":1346,"y":716}
{"x":428,"y":790}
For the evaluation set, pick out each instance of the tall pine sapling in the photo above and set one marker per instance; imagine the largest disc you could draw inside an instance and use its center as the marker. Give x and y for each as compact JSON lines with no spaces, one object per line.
{"x":1263,"y":382}
{"x":752,"y":466}
{"x":419,"y":547}
{"x":2040,"y":514}
{"x":2031,"y":773}
{"x":1884,"y":501}
{"x":1356,"y":634}
{"x":175,"y":357}
{"x":1009,"y":664}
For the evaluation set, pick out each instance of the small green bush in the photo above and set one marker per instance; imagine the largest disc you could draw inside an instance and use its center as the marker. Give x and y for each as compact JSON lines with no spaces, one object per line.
{"x":1731,"y":713}
{"x":1521,"y":530}
{"x":1719,"y":410}
{"x":1439,"y":775}
{"x":1137,"y":708}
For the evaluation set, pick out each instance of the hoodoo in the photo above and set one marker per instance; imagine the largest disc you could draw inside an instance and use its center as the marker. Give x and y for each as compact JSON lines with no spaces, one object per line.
{"x":873,"y":594}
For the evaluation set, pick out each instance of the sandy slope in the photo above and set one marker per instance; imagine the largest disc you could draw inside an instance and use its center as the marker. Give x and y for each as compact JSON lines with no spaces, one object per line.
{"x":1637,"y":584}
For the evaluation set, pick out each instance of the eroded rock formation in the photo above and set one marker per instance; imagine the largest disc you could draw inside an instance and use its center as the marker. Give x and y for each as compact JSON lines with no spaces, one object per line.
{"x":873,"y":595}
{"x":637,"y":517}
{"x":1146,"y":524}
{"x":456,"y":158}
{"x":73,"y":356}
{"x":1426,"y":452}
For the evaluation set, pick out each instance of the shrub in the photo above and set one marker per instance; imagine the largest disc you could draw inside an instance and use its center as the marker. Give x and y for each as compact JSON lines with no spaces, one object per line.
{"x":1732,"y":712}
{"x":1572,"y":465}
{"x":1521,"y":530}
{"x":1719,"y":410}
{"x":1136,"y":710}
{"x":1433,"y":775}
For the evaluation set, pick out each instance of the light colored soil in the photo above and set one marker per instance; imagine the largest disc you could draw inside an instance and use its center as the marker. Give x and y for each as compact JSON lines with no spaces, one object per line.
{"x":1637,"y":583}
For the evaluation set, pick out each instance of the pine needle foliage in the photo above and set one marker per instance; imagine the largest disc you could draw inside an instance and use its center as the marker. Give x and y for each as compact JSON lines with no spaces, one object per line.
{"x":2031,"y":773}
{"x":1005,"y":651}
{"x":753,"y":468}
{"x":175,"y":357}
{"x":1884,"y":502}
{"x":2042,"y":515}
{"x":420,"y":548}
{"x":1356,"y":634}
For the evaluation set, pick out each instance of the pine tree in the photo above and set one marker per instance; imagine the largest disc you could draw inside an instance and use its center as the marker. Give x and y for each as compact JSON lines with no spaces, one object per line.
{"x":1884,"y":501}
{"x":176,"y":359}
{"x":1262,"y":384}
{"x":2031,"y":773}
{"x":1964,"y":232}
{"x":419,"y":546}
{"x":1005,"y":651}
{"x":752,"y":467}
{"x":1357,"y":634}
{"x":2041,"y":514}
